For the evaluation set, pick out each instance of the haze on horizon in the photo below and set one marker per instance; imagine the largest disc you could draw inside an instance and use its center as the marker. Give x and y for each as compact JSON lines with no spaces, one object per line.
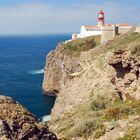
{"x":62,"y":16}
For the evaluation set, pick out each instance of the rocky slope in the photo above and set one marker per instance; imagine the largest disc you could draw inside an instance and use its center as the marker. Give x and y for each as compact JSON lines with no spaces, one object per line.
{"x":58,"y":66}
{"x":17,"y":123}
{"x":63,"y":61}
{"x":91,"y":86}
{"x":127,"y":68}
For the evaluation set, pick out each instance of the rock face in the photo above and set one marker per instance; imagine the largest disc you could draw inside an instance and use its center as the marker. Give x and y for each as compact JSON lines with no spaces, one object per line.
{"x":126,"y":79}
{"x":100,"y":71}
{"x":58,"y":65}
{"x":75,"y":78}
{"x":17,"y":123}
{"x":64,"y":61}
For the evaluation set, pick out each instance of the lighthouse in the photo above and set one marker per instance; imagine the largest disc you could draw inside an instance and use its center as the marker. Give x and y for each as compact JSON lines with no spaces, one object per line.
{"x":106,"y":31}
{"x":101,"y":18}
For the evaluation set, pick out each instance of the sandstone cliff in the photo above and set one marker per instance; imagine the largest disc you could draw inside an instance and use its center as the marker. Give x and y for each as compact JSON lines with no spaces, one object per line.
{"x":58,"y":65}
{"x":90,"y":85}
{"x":126,"y":79}
{"x":62,"y":62}
{"x":17,"y":123}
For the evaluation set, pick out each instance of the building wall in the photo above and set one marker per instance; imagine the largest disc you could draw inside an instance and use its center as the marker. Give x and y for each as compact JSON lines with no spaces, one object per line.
{"x":123,"y":30}
{"x":89,"y":32}
{"x":109,"y":33}
{"x":137,"y":29}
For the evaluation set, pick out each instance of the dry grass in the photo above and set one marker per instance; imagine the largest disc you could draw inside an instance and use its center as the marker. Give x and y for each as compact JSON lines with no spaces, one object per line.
{"x":77,"y":46}
{"x":124,"y":41}
{"x":87,"y":121}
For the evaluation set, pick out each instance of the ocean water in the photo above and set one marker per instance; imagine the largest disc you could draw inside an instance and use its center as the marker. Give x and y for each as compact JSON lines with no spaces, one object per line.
{"x":22,"y":59}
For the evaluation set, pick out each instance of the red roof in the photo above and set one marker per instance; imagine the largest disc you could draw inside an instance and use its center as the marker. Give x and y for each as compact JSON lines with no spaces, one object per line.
{"x":117,"y":25}
{"x":98,"y":27}
{"x":124,"y":25}
{"x":101,"y":12}
{"x":92,"y":27}
{"x":110,"y":24}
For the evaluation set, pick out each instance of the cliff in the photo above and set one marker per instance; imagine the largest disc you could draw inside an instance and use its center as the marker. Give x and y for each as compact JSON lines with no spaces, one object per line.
{"x":64,"y":61}
{"x":97,"y":88}
{"x":127,"y":66}
{"x":17,"y":123}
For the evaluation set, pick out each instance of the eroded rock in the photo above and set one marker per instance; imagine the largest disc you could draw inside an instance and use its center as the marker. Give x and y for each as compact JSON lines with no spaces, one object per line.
{"x":17,"y":123}
{"x":126,"y":79}
{"x":59,"y":64}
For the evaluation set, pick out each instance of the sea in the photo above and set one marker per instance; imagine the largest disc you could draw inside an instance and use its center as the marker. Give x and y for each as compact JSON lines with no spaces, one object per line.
{"x":22,"y":61}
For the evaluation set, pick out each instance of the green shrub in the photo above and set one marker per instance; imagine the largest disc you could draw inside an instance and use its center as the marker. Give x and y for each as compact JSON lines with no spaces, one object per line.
{"x":84,"y":44}
{"x":131,"y":135}
{"x":87,"y":128}
{"x":100,"y":103}
{"x":117,"y":113}
{"x":100,"y":131}
{"x":119,"y":109}
{"x":125,"y":40}
{"x":136,"y":50}
{"x":86,"y":121}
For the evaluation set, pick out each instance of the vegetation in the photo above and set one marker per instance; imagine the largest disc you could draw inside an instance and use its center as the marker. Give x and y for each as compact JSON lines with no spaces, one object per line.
{"x":129,"y":41}
{"x":99,"y":103}
{"x":131,"y":135}
{"x":119,"y":110}
{"x":79,"y":45}
{"x":136,"y":50}
{"x":87,"y":121}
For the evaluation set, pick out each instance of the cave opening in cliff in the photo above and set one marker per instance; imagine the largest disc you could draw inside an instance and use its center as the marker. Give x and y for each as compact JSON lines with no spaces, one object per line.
{"x":121,"y":71}
{"x":137,"y":74}
{"x":55,"y":91}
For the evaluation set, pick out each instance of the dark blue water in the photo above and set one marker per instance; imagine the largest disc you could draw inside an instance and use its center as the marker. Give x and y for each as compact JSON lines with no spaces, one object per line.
{"x":21,"y":61}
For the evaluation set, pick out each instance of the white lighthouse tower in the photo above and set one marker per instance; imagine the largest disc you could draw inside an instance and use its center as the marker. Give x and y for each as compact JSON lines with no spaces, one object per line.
{"x":101,"y":18}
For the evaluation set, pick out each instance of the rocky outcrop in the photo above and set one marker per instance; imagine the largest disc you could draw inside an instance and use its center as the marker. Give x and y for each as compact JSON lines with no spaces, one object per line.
{"x":75,"y":78}
{"x":59,"y":64}
{"x":126,"y":78}
{"x":79,"y":80}
{"x":119,"y":129}
{"x":17,"y":123}
{"x":63,"y":62}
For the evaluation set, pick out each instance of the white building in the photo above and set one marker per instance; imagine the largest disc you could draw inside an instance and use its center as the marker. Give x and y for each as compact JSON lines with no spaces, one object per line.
{"x":137,"y":29}
{"x":87,"y":31}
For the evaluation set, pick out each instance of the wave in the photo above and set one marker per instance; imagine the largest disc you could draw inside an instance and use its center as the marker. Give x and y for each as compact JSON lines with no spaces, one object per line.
{"x":34,"y":72}
{"x":44,"y":119}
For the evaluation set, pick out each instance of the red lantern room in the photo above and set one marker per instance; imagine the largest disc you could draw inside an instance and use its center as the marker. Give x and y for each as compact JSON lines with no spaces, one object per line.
{"x":101,"y":18}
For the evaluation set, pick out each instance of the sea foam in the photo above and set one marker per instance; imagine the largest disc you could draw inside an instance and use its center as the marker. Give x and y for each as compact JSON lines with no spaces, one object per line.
{"x":34,"y":72}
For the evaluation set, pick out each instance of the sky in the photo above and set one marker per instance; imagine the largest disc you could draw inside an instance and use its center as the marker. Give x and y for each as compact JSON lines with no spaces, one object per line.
{"x":62,"y":16}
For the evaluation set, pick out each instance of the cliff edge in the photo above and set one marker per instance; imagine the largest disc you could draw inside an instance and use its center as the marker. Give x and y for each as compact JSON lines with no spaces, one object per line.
{"x":64,"y":61}
{"x":97,"y":88}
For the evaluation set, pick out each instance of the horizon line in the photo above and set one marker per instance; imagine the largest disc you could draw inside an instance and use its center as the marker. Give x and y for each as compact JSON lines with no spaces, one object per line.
{"x":35,"y":34}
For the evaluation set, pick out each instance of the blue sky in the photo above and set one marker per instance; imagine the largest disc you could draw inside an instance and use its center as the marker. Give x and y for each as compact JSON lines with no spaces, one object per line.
{"x":65,"y":2}
{"x":62,"y":16}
